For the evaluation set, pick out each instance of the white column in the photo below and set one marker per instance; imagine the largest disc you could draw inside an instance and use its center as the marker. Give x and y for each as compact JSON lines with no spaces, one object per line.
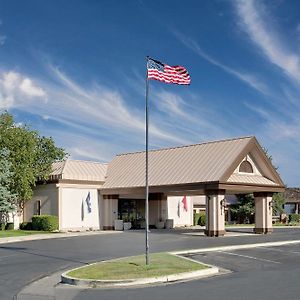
{"x":263,"y":213}
{"x":215,"y":213}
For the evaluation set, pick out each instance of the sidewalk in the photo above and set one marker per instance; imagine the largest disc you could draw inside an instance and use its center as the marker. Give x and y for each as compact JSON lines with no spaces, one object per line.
{"x":46,"y":236}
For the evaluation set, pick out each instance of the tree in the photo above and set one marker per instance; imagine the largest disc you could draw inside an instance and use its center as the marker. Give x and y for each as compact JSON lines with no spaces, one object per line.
{"x":30,"y":156}
{"x":278,"y":202}
{"x":7,"y":199}
{"x":244,"y":210}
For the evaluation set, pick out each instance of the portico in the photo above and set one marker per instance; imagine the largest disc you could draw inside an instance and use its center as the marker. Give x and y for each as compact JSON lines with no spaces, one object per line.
{"x":214,"y":169}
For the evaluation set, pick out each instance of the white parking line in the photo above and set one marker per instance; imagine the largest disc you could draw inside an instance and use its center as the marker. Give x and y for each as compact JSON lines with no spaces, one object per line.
{"x":250,"y":257}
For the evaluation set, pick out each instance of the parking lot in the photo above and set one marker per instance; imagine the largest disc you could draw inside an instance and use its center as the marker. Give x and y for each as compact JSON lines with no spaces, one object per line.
{"x":244,"y":260}
{"x":269,"y":272}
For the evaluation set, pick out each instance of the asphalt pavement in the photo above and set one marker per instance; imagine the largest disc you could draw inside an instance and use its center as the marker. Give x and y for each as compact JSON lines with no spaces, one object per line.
{"x":25,"y":262}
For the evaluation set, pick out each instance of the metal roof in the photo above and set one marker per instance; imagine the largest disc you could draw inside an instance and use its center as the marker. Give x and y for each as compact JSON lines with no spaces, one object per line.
{"x":200,"y":163}
{"x":78,"y":170}
{"x":250,"y":179}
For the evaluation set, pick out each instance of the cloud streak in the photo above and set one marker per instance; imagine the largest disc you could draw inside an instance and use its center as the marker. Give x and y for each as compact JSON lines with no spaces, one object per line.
{"x":247,"y":78}
{"x":258,"y":25}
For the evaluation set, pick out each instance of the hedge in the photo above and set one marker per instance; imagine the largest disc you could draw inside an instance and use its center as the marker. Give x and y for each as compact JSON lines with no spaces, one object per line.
{"x":45,"y":222}
{"x":9,"y":226}
{"x":2,"y":226}
{"x":26,"y":226}
{"x":199,"y":219}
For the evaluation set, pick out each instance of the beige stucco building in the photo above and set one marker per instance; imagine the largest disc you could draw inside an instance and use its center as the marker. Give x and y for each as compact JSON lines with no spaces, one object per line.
{"x":87,"y":195}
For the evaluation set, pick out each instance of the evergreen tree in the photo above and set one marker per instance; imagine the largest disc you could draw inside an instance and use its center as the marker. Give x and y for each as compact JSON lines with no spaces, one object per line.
{"x":7,"y":199}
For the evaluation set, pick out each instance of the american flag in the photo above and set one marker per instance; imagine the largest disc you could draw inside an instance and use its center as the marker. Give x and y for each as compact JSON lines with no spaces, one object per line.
{"x":168,"y":74}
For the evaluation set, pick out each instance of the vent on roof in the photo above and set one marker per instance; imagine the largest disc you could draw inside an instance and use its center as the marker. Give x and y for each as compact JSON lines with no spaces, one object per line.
{"x":246,"y":167}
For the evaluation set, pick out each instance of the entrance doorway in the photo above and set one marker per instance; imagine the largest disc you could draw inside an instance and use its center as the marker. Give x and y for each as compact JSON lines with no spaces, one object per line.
{"x":132,"y":210}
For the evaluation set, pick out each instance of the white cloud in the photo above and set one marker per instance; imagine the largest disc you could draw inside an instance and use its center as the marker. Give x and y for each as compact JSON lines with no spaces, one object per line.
{"x":2,"y":39}
{"x":17,"y":89}
{"x":29,"y":89}
{"x":259,"y":26}
{"x":247,"y":78}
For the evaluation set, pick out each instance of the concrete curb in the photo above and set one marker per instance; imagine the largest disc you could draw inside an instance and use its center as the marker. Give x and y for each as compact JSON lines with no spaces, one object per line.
{"x":236,"y":247}
{"x":49,"y":236}
{"x":91,"y":283}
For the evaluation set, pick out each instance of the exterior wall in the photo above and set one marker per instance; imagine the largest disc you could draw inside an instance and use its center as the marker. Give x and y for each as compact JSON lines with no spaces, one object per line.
{"x":74,"y":212}
{"x":12,"y":217}
{"x":176,"y":211}
{"x":48,"y":195}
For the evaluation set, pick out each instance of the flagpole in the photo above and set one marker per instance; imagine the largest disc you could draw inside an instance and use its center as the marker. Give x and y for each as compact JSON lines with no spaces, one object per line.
{"x":146,"y":175}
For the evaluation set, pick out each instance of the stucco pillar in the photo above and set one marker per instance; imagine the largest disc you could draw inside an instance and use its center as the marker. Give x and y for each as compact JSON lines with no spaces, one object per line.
{"x":109,"y":211}
{"x":215,"y":213}
{"x":263,"y":213}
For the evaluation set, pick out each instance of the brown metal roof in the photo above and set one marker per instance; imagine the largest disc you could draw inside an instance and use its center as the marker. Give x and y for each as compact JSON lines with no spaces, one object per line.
{"x":292,"y":195}
{"x":200,"y":163}
{"x":250,"y":179}
{"x":79,"y":170}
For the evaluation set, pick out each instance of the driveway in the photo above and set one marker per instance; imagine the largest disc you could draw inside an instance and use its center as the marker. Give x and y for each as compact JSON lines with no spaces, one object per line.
{"x":24,"y":262}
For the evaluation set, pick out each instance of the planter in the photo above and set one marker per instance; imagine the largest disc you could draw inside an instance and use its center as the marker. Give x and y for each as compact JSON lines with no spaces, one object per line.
{"x":169,"y":223}
{"x":160,"y":225}
{"x":127,"y":225}
{"x":119,"y":225}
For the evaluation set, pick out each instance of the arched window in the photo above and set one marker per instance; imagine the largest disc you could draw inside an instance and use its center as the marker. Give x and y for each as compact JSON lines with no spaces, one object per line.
{"x":246,"y":167}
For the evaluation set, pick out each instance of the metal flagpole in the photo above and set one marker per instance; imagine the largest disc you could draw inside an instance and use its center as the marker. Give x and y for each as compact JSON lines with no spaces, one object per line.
{"x":146,"y":178}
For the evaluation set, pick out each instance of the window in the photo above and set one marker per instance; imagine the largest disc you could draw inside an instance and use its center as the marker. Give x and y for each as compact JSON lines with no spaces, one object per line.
{"x":245,"y":167}
{"x":37,"y":207}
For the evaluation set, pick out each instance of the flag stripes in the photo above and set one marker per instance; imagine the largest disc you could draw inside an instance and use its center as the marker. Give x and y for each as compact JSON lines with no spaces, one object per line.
{"x":168,"y":74}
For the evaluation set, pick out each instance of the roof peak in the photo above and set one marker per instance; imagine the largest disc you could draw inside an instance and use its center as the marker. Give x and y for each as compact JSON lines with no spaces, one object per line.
{"x":190,"y":145}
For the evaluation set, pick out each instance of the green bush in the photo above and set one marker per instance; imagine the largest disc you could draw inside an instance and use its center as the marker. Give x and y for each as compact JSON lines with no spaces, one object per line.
{"x":294,"y":218}
{"x":45,"y":223}
{"x":2,"y":226}
{"x":202,"y":220}
{"x":26,"y":226}
{"x":9,"y":226}
{"x":199,"y":219}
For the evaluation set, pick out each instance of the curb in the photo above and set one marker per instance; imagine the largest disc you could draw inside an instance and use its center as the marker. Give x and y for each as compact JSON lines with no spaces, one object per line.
{"x":172,"y":278}
{"x":235,"y":247}
{"x":45,"y":236}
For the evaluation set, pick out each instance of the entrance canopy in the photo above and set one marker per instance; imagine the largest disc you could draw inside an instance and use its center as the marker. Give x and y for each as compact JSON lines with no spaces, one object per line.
{"x":236,"y":165}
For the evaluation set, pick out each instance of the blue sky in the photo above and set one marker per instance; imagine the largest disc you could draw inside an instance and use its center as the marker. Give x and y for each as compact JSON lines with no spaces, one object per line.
{"x":75,"y":70}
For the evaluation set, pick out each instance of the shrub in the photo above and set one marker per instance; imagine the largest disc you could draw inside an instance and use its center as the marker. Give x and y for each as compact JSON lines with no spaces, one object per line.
{"x":294,"y":218}
{"x":9,"y":226}
{"x":202,"y":219}
{"x":45,"y":223}
{"x":26,"y":226}
{"x":2,"y":226}
{"x":199,"y":219}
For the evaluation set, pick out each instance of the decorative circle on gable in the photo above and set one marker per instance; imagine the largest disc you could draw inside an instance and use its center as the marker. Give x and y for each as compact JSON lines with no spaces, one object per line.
{"x":246,"y":167}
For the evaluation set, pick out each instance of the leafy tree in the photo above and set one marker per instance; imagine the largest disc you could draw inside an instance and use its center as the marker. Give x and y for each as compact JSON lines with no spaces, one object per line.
{"x":278,"y":202}
{"x":244,"y":210}
{"x":7,"y":199}
{"x":30,"y":155}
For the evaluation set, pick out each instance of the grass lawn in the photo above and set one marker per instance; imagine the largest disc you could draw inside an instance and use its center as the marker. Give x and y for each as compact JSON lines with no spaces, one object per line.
{"x":161,"y":264}
{"x":10,"y":233}
{"x":287,"y":224}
